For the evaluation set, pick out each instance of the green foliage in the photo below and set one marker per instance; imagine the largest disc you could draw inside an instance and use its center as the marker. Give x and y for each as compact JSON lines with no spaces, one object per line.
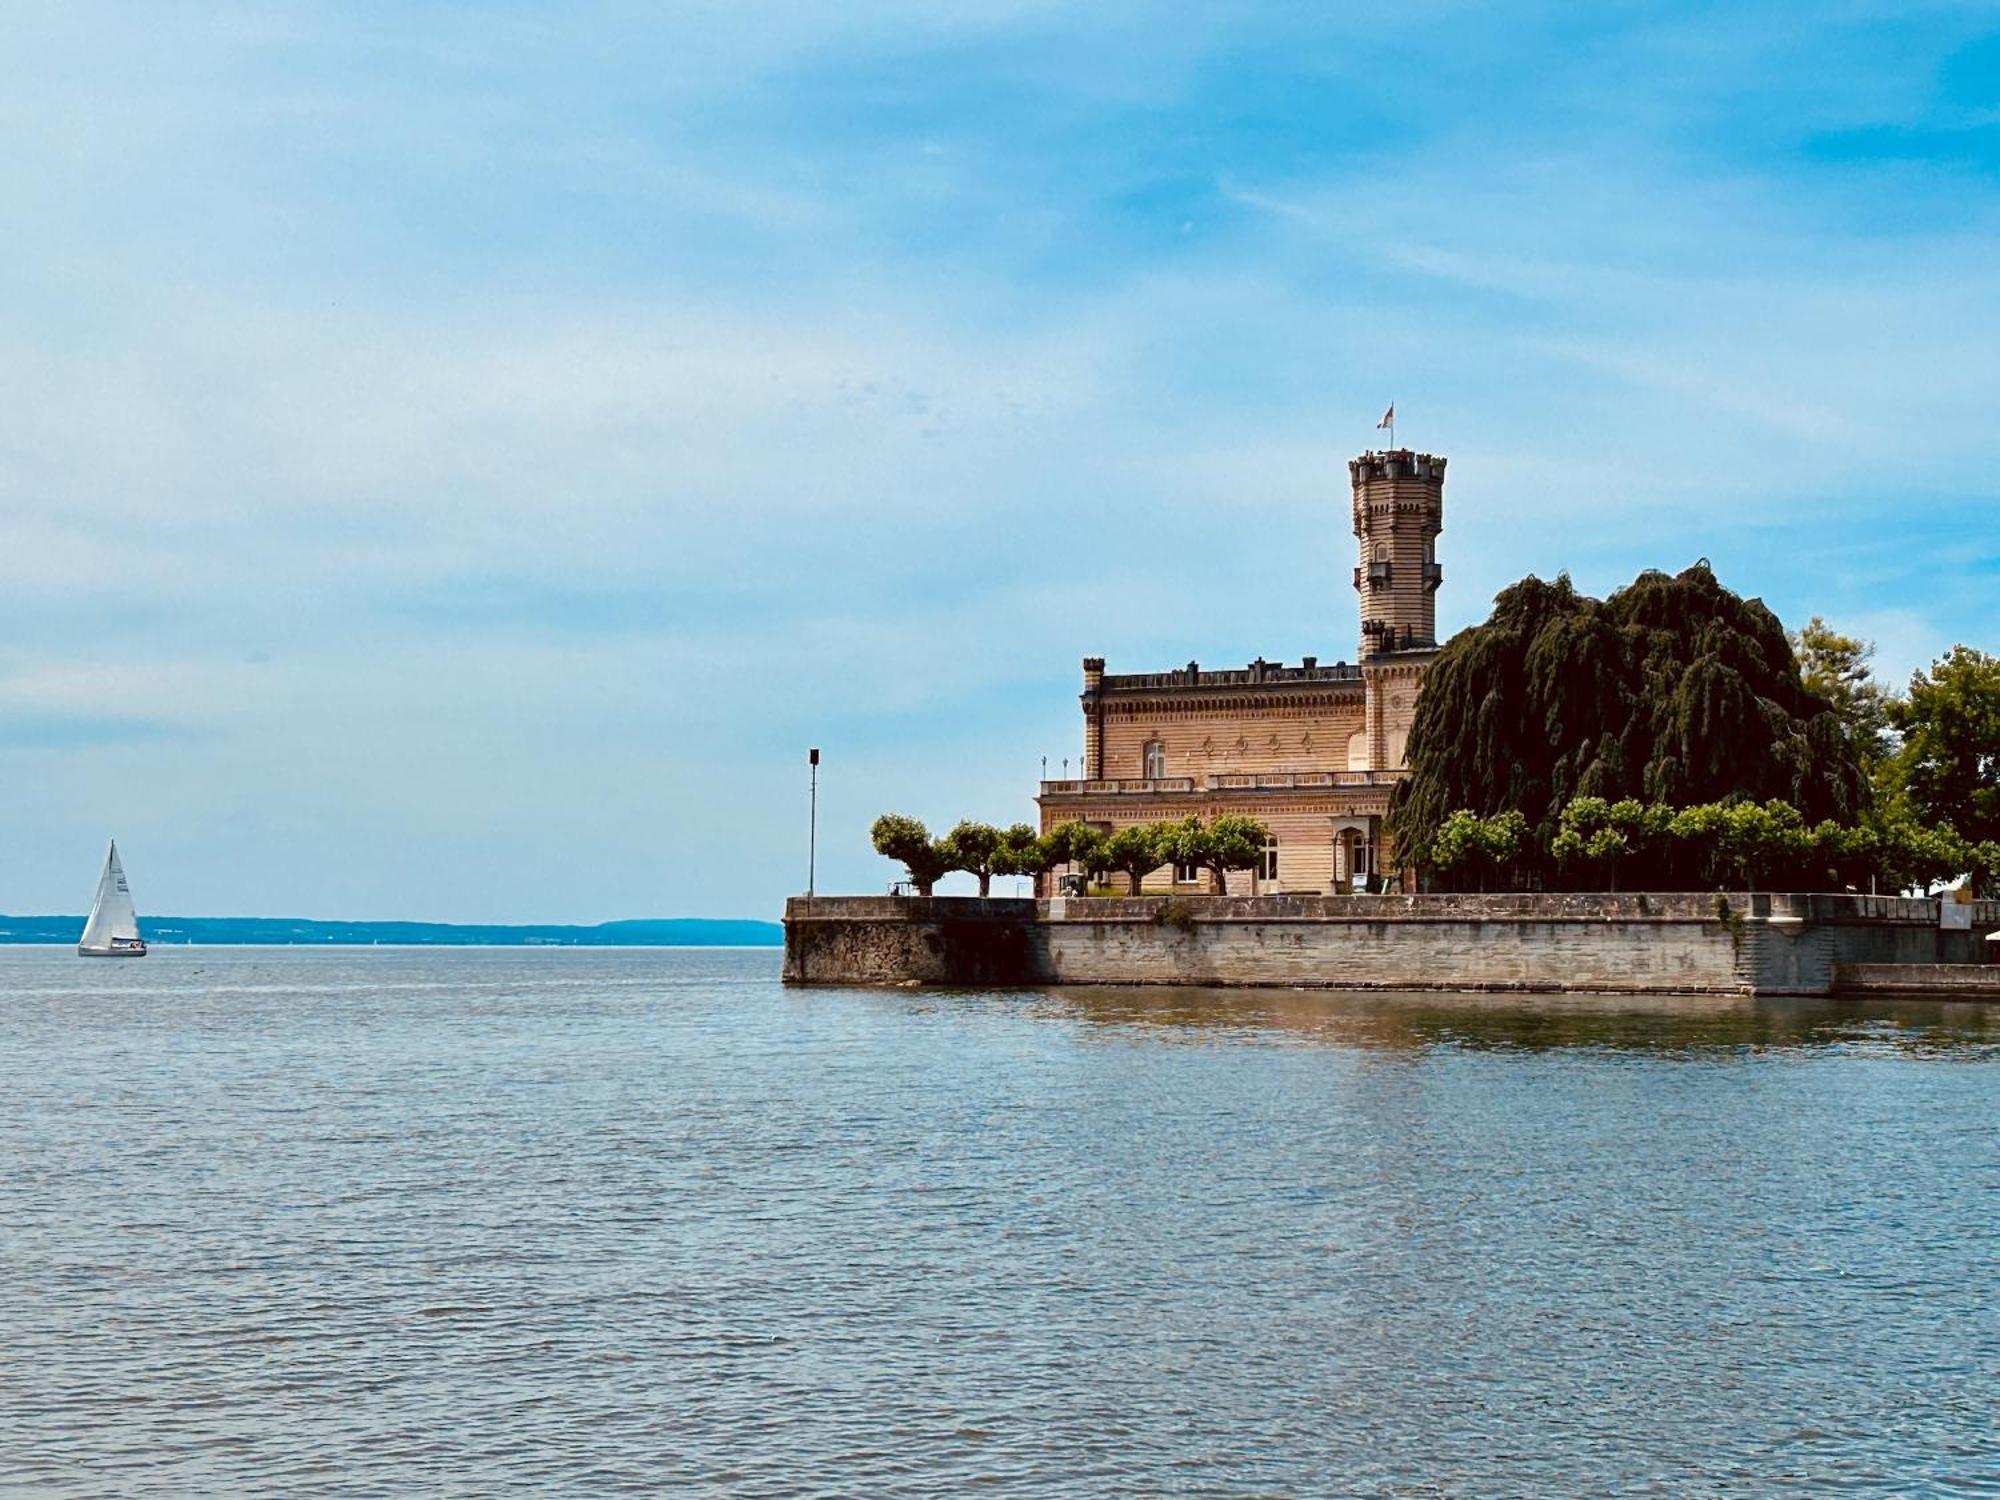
{"x":1080,"y":845}
{"x":1742,"y":844}
{"x":1022,"y":852}
{"x":1597,"y":841}
{"x":1135,"y":852}
{"x":1673,"y":691}
{"x":1473,"y":850}
{"x":1905,"y":854}
{"x":1228,"y":843}
{"x":1835,"y":669}
{"x":1603,"y":845}
{"x":974,"y":848}
{"x":928,"y":860}
{"x":1947,"y":770}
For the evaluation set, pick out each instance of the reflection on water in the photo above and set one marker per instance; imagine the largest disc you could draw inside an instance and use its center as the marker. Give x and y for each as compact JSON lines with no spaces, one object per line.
{"x":395,"y":1222}
{"x":1646,"y":1023}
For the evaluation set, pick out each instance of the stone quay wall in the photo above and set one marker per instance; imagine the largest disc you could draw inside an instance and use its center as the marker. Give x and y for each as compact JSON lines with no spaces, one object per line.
{"x":1610,"y":943}
{"x":1942,"y":981}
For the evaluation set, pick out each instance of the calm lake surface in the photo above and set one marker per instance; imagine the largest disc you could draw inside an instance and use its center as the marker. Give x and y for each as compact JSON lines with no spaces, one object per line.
{"x":391,"y":1222}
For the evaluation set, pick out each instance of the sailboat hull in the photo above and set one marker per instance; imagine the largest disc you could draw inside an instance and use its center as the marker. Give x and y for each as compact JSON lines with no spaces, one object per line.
{"x":116,"y":950}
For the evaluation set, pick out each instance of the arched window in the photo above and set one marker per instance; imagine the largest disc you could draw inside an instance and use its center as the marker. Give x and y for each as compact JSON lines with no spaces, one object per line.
{"x":1155,"y":760}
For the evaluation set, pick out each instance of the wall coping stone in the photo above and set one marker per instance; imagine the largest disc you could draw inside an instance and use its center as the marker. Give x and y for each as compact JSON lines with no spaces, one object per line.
{"x":1519,"y":906}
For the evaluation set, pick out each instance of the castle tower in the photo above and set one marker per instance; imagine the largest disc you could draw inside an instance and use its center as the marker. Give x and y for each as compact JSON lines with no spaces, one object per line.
{"x":1092,"y":766}
{"x":1398,"y":512}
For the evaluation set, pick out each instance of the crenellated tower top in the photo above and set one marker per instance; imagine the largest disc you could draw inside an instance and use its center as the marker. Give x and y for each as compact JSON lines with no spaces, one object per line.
{"x":1398,"y":513}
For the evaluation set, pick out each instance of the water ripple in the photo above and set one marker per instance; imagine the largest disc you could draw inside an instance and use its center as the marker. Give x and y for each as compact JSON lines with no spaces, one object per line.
{"x":384,"y":1222}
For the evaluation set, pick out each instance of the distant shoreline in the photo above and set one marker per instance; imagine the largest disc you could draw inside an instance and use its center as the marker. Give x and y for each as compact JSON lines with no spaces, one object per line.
{"x":295,"y":932}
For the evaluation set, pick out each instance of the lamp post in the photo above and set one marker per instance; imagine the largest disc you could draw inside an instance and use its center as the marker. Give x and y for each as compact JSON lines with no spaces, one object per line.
{"x":812,"y":824}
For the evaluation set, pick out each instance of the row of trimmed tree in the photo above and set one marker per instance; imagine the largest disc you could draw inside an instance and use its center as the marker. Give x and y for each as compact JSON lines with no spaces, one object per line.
{"x":1216,"y":845}
{"x":1633,"y":845}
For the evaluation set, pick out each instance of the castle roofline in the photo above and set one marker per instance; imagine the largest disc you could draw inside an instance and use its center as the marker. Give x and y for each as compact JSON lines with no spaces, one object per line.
{"x":1396,"y":463}
{"x":1430,"y":458}
{"x":1259,"y":673}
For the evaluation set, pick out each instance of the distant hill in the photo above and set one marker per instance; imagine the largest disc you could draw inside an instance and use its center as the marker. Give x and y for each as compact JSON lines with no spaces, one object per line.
{"x":672,"y":932}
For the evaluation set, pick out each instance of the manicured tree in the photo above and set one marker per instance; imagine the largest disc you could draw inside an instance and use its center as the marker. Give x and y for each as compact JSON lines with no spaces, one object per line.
{"x":1135,"y":851}
{"x":1022,"y":852}
{"x":1502,"y":840}
{"x":1840,"y":856}
{"x":1704,"y":833}
{"x":1087,"y":853}
{"x":1781,"y":849}
{"x":1079,"y":845}
{"x":1912,"y":856}
{"x":1588,"y":844}
{"x":1469,"y":851}
{"x":905,"y":839}
{"x":1641,"y":842}
{"x":1454,"y":850}
{"x":1672,"y":691}
{"x":1230,"y":842}
{"x":1745,"y":844}
{"x":1184,"y":843}
{"x":974,"y":848}
{"x":1947,"y":770}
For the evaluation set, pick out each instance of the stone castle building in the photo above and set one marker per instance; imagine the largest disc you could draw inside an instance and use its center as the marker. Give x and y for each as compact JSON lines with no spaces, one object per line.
{"x":1312,"y":750}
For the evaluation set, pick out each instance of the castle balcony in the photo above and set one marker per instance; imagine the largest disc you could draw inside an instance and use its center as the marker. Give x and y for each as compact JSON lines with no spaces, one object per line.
{"x":1223,"y":781}
{"x":1138,"y":785}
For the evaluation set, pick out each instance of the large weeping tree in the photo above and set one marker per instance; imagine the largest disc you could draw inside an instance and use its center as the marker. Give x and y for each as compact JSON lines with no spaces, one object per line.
{"x":1673,"y":690}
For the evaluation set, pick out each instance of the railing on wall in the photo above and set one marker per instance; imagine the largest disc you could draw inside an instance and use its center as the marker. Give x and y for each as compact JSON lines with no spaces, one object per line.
{"x":1224,"y":781}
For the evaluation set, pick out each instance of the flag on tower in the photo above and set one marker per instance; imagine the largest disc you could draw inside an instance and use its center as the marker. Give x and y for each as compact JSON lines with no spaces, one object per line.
{"x":1388,"y":417}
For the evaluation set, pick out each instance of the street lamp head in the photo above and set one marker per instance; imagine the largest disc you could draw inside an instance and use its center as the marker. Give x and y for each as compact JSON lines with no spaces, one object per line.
{"x":812,"y":756}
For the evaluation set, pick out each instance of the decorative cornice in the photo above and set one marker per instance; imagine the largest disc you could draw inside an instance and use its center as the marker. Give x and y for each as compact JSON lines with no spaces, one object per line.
{"x":1202,"y":701}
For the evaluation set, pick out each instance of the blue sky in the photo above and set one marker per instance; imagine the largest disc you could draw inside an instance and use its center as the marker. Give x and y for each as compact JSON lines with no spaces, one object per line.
{"x":454,"y":458}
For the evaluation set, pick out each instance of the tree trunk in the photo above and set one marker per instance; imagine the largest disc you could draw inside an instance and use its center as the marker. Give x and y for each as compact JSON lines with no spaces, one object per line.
{"x":924,"y":887}
{"x":985,"y":882}
{"x":1218,"y":881}
{"x":1134,"y":877}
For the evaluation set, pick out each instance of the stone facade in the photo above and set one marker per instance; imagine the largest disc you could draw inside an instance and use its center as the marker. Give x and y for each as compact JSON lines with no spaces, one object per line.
{"x":1312,"y":750}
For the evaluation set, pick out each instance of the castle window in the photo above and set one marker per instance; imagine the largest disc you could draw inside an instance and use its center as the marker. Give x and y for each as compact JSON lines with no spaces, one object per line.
{"x":1268,"y":870}
{"x":1188,"y":874}
{"x":1155,"y":760}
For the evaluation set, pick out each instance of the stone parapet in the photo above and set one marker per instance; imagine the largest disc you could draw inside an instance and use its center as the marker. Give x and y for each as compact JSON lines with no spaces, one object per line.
{"x":1258,"y":674}
{"x":1644,"y":943}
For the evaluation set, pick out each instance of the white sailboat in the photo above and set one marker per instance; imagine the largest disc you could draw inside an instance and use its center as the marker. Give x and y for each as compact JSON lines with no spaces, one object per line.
{"x":113,"y":928}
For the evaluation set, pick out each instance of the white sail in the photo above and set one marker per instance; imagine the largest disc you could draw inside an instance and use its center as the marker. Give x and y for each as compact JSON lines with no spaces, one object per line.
{"x":111,"y":915}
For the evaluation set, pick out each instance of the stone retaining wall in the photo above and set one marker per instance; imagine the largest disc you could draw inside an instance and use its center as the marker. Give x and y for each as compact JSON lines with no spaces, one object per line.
{"x":1967,"y":981}
{"x":1678,"y":943}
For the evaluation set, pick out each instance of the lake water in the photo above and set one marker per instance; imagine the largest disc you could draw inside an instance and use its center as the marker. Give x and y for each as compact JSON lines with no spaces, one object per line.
{"x":391,"y":1222}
